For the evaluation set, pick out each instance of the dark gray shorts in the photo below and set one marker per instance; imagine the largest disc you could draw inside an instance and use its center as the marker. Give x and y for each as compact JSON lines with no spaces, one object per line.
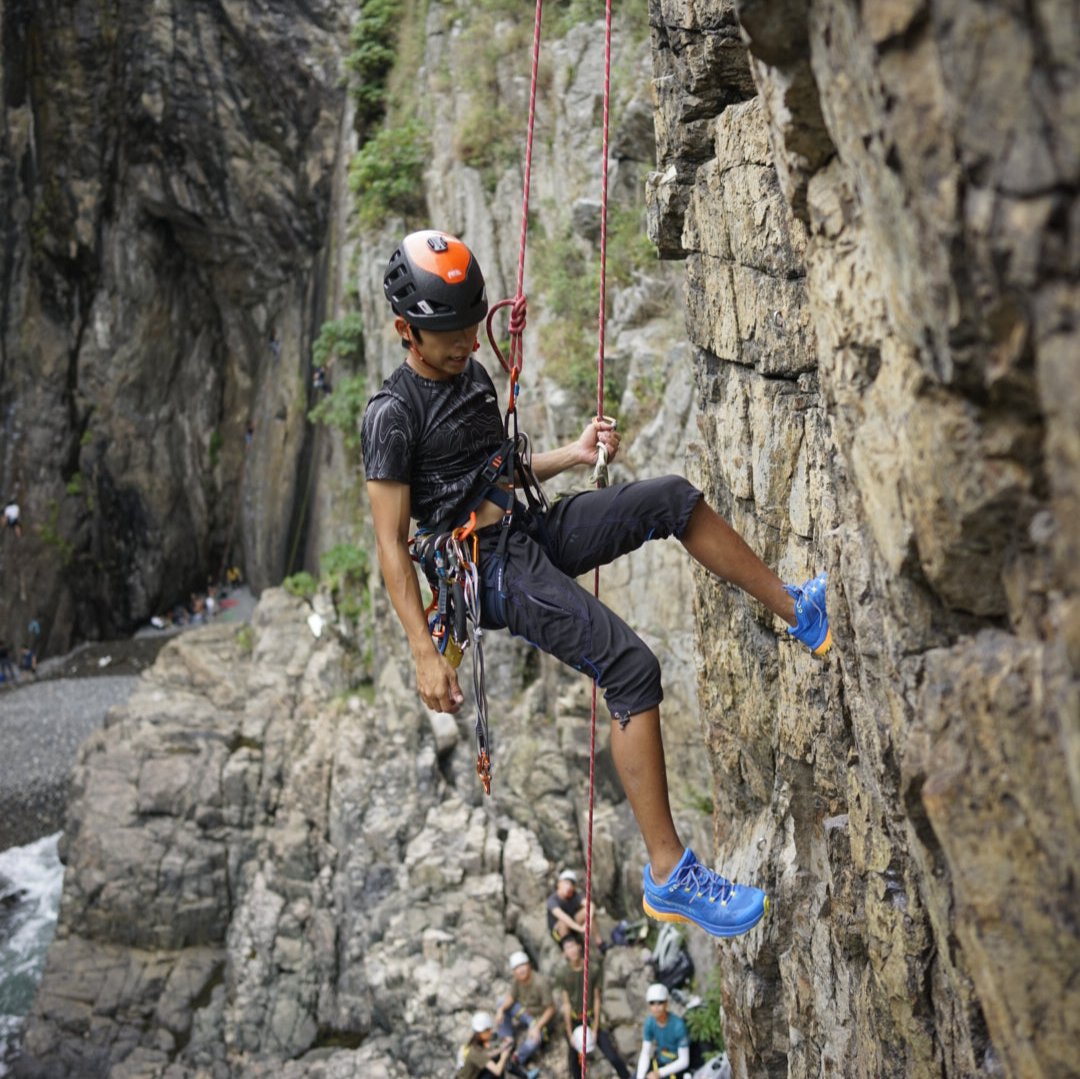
{"x":531,"y":589}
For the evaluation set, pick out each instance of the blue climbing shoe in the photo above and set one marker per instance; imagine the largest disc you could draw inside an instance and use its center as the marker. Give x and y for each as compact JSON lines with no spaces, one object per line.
{"x":813,"y":625}
{"x":695,"y":894}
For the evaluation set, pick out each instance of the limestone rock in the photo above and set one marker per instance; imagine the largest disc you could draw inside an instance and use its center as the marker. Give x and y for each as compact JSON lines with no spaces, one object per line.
{"x":898,"y":432}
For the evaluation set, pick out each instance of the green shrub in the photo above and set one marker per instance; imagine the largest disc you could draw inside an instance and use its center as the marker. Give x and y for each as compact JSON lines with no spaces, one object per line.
{"x":49,"y":533}
{"x":386,"y":174}
{"x":245,"y":639}
{"x":342,"y":408}
{"x":340,"y":339}
{"x":371,"y":57}
{"x":216,"y":442}
{"x":567,"y":274}
{"x":345,"y":569}
{"x":706,"y":1023}
{"x":301,"y":584}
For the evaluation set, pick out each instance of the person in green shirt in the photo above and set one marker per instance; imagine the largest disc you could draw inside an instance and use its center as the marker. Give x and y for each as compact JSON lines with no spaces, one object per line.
{"x":569,"y":996}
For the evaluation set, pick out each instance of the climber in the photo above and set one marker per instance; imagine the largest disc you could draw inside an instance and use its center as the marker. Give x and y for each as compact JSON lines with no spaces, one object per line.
{"x":431,"y":439}
{"x":665,"y":1044}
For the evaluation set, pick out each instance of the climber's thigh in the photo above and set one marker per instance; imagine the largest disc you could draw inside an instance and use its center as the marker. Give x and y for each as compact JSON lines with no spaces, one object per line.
{"x":525,"y":592}
{"x":594,"y":528}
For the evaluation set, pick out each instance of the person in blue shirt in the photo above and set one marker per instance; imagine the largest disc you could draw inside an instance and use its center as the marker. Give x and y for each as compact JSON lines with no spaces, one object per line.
{"x":665,"y":1045}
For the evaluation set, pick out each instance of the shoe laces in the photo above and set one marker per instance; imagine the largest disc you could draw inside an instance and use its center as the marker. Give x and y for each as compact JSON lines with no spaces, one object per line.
{"x":702,"y":883}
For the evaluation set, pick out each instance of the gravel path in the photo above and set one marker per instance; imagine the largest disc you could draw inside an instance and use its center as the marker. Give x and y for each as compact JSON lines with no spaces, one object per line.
{"x":44,"y":718}
{"x":41,"y":729}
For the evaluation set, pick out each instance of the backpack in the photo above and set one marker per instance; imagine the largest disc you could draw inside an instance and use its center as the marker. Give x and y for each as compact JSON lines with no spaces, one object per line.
{"x":671,"y":962}
{"x":717,"y":1068}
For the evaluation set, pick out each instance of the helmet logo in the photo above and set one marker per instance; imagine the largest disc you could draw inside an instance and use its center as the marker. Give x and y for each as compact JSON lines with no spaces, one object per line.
{"x":455,"y":274}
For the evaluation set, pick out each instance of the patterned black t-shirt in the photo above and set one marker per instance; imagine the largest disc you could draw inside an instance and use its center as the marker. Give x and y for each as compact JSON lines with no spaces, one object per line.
{"x":433,"y":435}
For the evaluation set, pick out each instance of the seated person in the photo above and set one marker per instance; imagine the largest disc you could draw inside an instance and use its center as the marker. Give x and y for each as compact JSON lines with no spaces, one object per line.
{"x":527,"y":1004}
{"x":480,"y":1060}
{"x":665,"y":1044}
{"x":566,"y":910}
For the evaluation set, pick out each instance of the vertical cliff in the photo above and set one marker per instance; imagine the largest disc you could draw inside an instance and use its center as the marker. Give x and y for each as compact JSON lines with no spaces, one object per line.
{"x":877,"y":207}
{"x":869,"y":213}
{"x":166,"y":199}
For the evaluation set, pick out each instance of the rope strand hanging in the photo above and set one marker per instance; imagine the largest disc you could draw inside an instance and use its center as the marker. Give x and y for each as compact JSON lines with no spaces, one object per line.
{"x":513,"y":364}
{"x":601,"y":319}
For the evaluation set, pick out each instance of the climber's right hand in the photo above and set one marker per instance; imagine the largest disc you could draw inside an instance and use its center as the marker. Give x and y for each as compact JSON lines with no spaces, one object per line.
{"x":438,"y":684}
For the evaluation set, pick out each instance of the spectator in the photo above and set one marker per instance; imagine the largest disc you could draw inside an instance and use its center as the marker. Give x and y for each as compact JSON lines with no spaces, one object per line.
{"x":665,"y":1043}
{"x":479,"y":1059}
{"x":7,"y":670}
{"x":566,"y":910}
{"x":529,"y":1005}
{"x":569,"y":995}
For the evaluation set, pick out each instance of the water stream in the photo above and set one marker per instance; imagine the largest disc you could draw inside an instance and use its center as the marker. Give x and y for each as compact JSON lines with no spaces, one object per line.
{"x":31,"y":878}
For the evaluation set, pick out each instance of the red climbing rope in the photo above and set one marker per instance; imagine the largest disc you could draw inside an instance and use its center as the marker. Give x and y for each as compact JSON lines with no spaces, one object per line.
{"x":601,"y":325}
{"x":512,"y":366}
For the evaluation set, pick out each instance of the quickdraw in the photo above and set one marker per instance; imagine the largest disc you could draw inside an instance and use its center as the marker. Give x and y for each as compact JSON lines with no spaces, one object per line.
{"x":449,"y":561}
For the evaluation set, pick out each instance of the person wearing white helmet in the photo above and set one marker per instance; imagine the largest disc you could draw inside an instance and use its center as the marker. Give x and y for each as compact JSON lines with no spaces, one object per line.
{"x":527,"y":1005}
{"x":570,"y":993}
{"x":480,"y":1060}
{"x":665,"y":1045}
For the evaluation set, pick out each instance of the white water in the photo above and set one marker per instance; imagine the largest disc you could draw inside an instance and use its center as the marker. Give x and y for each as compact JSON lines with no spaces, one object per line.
{"x":26,"y":930}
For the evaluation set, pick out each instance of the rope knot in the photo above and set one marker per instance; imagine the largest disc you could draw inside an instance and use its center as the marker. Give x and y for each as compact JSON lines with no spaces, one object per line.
{"x":517,"y":314}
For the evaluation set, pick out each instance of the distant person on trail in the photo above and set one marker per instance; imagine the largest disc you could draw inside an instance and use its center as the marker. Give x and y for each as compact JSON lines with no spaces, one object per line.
{"x":7,"y":669}
{"x":665,"y":1044}
{"x":11,"y":517}
{"x":30,"y":652}
{"x":435,"y":450}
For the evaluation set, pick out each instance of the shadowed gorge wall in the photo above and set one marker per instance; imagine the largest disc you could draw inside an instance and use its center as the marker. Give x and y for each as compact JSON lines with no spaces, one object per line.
{"x":877,"y":211}
{"x":166,"y":195}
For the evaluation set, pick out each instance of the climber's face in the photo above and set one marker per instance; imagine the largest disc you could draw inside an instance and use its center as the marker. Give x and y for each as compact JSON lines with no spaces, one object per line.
{"x":438,"y":354}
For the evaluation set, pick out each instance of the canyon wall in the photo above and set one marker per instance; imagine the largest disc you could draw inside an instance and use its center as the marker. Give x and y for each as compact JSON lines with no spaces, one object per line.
{"x":877,"y":208}
{"x":863,"y":342}
{"x":166,"y":193}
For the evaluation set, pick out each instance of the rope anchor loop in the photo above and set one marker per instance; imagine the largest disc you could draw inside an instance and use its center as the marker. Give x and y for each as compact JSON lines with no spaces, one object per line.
{"x":600,"y":470}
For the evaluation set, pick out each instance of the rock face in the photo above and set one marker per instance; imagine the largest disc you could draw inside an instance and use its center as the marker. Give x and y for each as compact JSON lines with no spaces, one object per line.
{"x":881,"y":271}
{"x":271,"y":874}
{"x":267,"y":876}
{"x":165,"y":189}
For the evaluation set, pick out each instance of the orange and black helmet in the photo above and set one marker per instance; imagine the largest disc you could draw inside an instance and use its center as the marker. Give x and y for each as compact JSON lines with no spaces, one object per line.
{"x":434,"y":282}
